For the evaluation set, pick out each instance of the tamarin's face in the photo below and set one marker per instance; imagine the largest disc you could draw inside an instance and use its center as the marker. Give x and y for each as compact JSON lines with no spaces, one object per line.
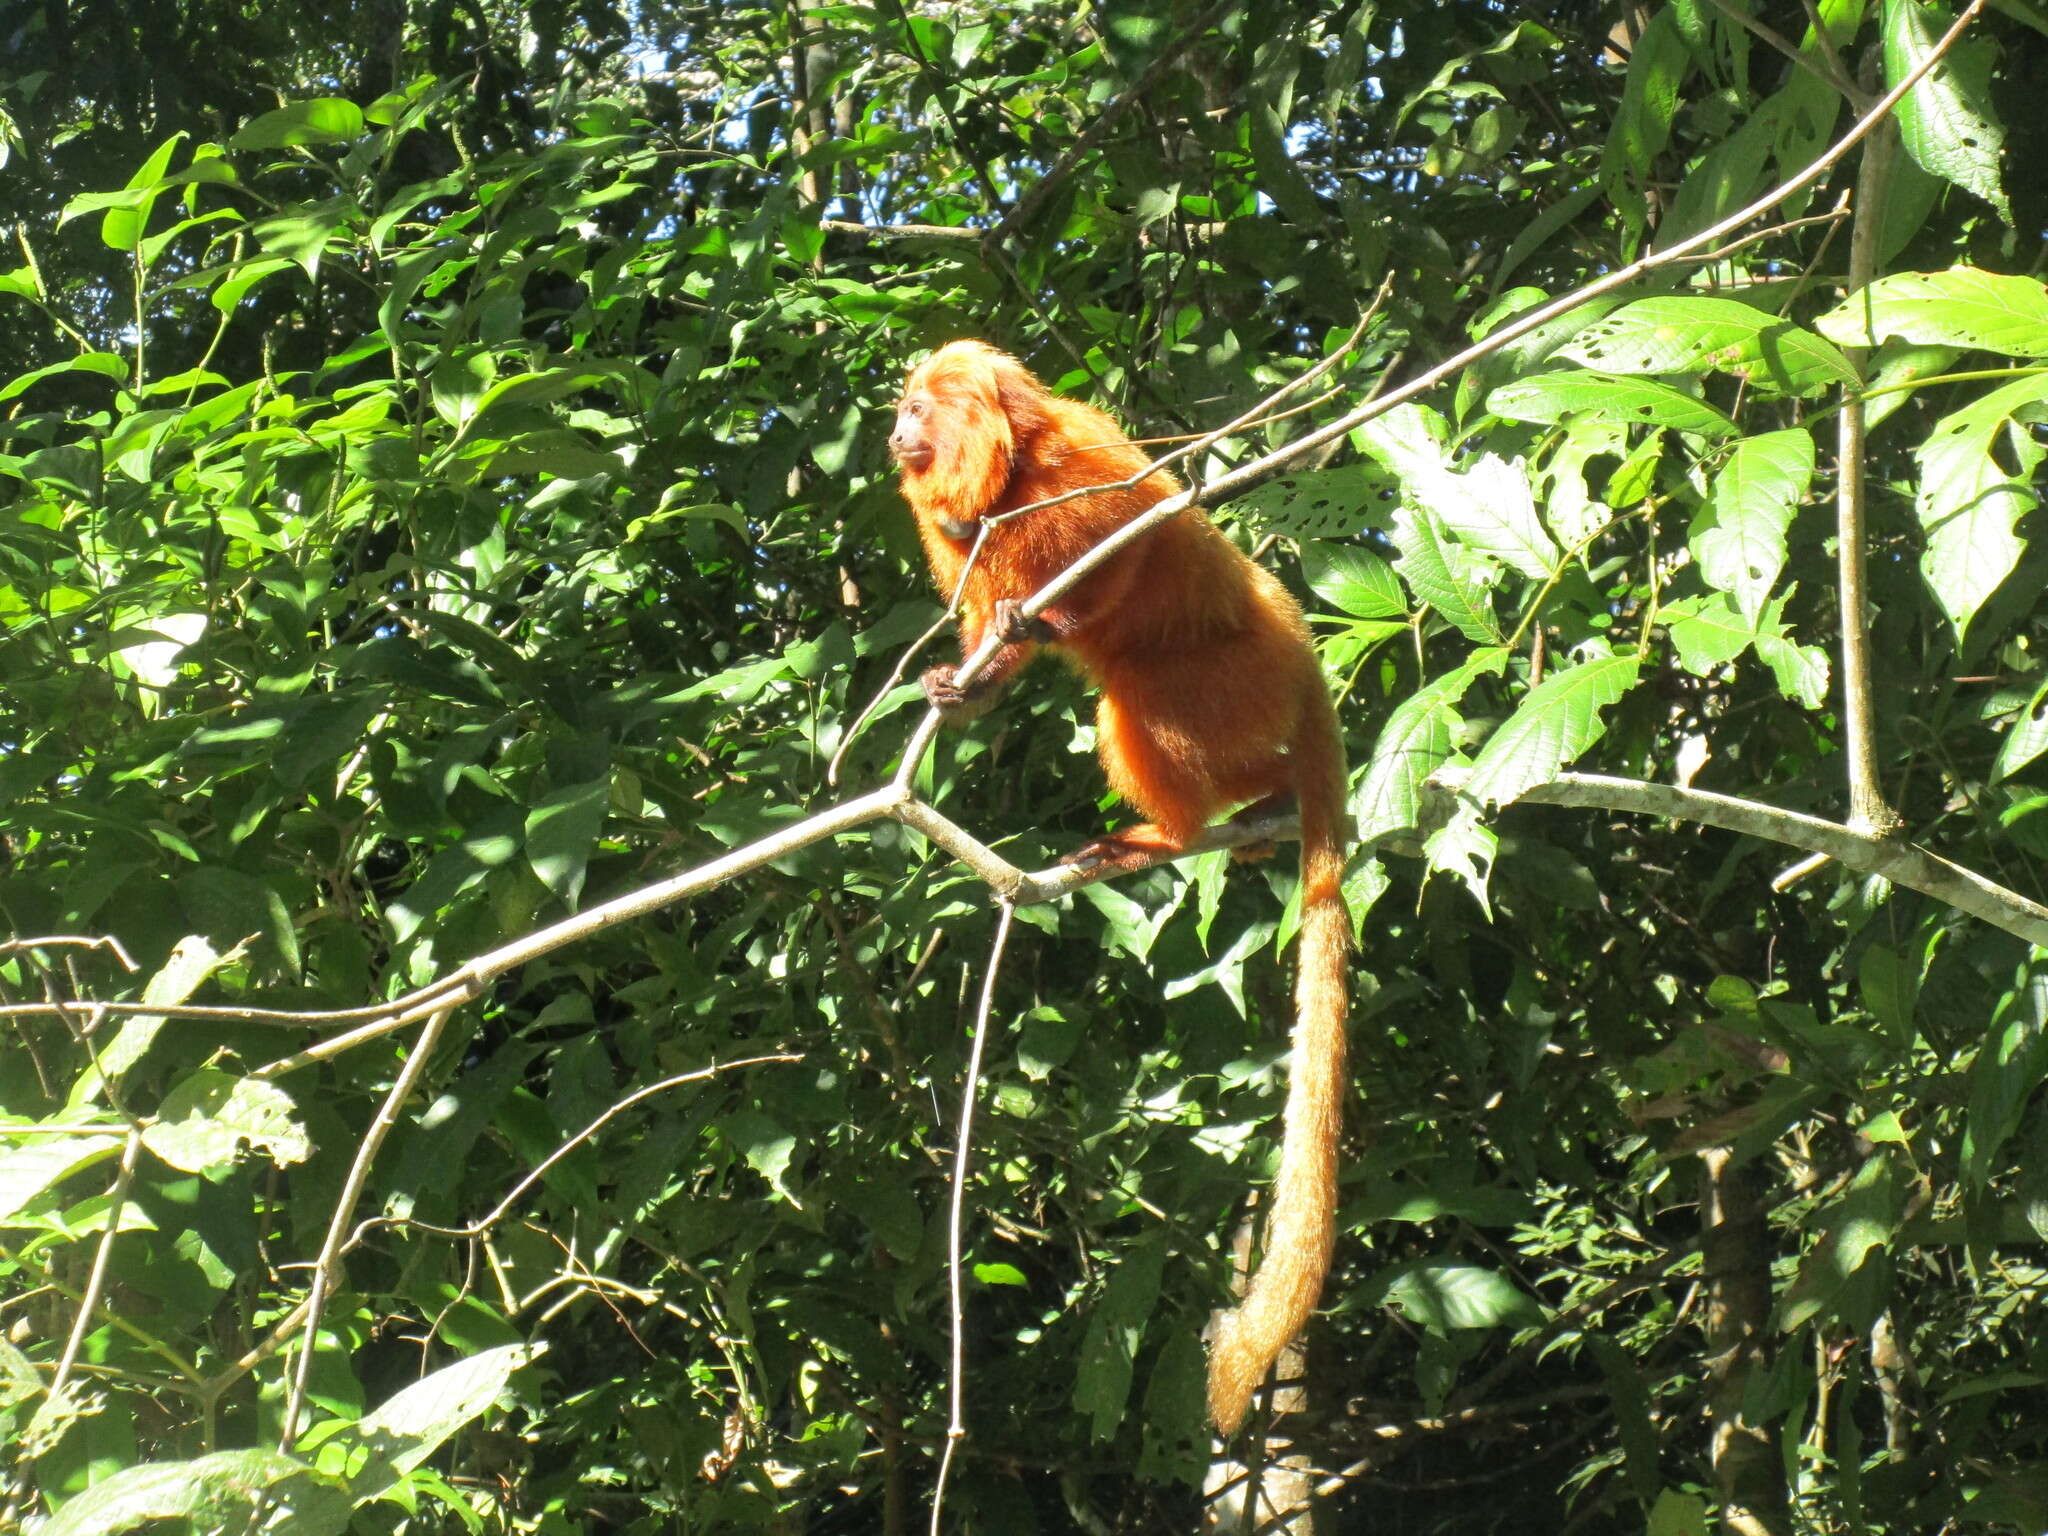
{"x":914,"y":443}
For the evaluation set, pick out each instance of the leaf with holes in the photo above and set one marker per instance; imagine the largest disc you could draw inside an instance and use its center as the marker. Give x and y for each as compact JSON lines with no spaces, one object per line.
{"x":1947,"y":121}
{"x":1631,"y":398}
{"x":1970,"y":504}
{"x":1687,"y":334}
{"x":1962,"y":307}
{"x":1738,"y":537}
{"x":1557,"y":721}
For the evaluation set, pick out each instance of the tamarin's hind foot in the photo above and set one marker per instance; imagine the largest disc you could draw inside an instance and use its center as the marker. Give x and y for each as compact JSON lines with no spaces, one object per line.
{"x":1259,"y":810}
{"x":1138,"y":847}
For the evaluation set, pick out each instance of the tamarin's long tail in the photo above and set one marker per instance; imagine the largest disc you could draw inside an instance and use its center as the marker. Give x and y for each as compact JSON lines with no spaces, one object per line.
{"x":1302,"y":1214}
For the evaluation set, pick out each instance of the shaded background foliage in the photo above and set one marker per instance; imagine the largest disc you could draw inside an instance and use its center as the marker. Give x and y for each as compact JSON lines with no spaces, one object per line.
{"x":448,"y":486}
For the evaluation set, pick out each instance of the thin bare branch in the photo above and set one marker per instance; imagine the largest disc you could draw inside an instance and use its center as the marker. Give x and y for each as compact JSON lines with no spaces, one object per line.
{"x":327,"y":1266}
{"x":539,"y":1170}
{"x":75,"y":940}
{"x":88,"y":1304}
{"x":956,"y":1263}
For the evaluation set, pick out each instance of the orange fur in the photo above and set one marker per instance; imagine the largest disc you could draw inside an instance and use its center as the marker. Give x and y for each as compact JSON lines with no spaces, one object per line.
{"x":1210,"y":698}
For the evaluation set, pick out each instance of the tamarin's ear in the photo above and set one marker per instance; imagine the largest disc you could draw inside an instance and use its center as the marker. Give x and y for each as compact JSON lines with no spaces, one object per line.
{"x":1020,"y":397}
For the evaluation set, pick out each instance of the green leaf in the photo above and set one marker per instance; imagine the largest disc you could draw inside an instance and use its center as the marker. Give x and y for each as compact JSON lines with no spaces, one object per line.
{"x":1891,"y":988}
{"x":417,"y":1420}
{"x":1861,"y":1222}
{"x":767,"y":1147}
{"x":41,"y":1163}
{"x":127,"y":211}
{"x":1046,"y":1042}
{"x":1557,"y":721}
{"x":1970,"y":503}
{"x":1728,"y":175}
{"x":458,"y":386}
{"x":1268,"y":117}
{"x":1127,"y":929}
{"x":1635,"y":400}
{"x":1678,"y":1514}
{"x":1353,"y":580}
{"x":1635,"y":1420}
{"x":1708,"y":634}
{"x":1176,"y":1443}
{"x":561,"y":831}
{"x":1417,"y":739}
{"x":888,"y":1205}
{"x":205,"y":1119}
{"x":302,"y":235}
{"x":2011,"y":1064}
{"x":1960,"y":307}
{"x":237,"y":280}
{"x":1738,"y":537}
{"x":1116,"y":1327}
{"x":1947,"y":121}
{"x":1688,"y":334}
{"x":221,"y":1492}
{"x":676,"y":503}
{"x":1226,"y":970}
{"x":490,"y":842}
{"x":322,"y":120}
{"x":104,"y":363}
{"x":1658,"y":65}
{"x":1490,"y":509}
{"x":191,"y":961}
{"x":1801,"y":670}
{"x":2026,"y":738}
{"x":1450,"y":578}
{"x":153,"y":246}
{"x":130,"y":449}
{"x":1317,"y":504}
{"x":1438,"y":1295}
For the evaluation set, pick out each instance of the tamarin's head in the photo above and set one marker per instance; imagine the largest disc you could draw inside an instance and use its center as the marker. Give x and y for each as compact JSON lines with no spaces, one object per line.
{"x":966,"y":413}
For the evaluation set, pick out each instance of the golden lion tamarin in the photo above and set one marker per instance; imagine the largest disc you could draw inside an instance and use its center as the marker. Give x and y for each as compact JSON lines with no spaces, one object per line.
{"x":1211,"y":698}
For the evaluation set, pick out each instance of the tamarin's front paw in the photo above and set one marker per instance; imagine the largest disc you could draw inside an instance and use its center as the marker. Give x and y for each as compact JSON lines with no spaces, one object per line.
{"x":1012,"y":628}
{"x":942,"y":688}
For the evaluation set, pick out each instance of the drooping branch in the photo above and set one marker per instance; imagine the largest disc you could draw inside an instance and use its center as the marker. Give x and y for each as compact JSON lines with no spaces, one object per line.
{"x":1893,"y":859}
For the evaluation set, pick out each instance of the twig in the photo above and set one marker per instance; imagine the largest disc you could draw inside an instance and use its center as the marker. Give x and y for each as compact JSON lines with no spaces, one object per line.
{"x":963,"y":1138}
{"x":539,"y":1170}
{"x":78,"y":940}
{"x":326,"y":1266}
{"x":88,"y":1303}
